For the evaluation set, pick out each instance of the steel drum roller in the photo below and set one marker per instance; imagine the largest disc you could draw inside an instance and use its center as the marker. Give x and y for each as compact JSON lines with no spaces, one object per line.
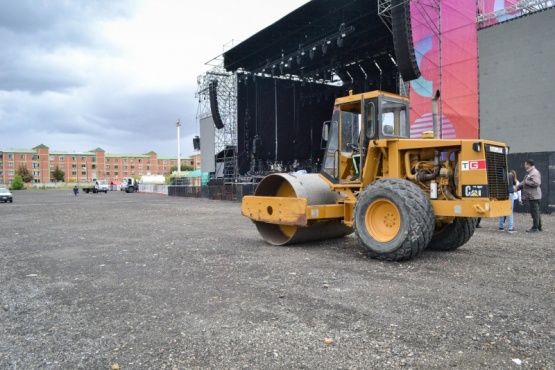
{"x":316,"y":191}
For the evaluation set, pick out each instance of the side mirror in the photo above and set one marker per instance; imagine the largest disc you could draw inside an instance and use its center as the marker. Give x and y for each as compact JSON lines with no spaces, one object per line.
{"x":325,"y":134}
{"x":326,"y":130}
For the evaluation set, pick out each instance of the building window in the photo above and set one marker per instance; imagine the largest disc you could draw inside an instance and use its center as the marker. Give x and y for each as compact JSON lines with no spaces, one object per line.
{"x":107,"y":167}
{"x":84,"y":173}
{"x":116,"y":167}
{"x":140,"y":167}
{"x":132,"y":160}
{"x":73,"y":173}
{"x":73,"y":158}
{"x":51,"y":158}
{"x":1,"y":173}
{"x":116,"y":160}
{"x":61,"y":158}
{"x":35,"y":165}
{"x":10,"y":156}
{"x":116,"y":174}
{"x":94,"y":159}
{"x":10,"y":164}
{"x":140,"y":160}
{"x":22,"y":156}
{"x":132,"y":167}
{"x":107,"y":160}
{"x":125,"y":160}
{"x":52,"y":165}
{"x":140,"y":173}
{"x":84,"y":159}
{"x":107,"y":173}
{"x":62,"y":165}
{"x":10,"y":173}
{"x":165,"y":162}
{"x":125,"y":167}
{"x":148,"y":168}
{"x":93,"y":166}
{"x":36,"y":173}
{"x":35,"y":157}
{"x":74,"y":165}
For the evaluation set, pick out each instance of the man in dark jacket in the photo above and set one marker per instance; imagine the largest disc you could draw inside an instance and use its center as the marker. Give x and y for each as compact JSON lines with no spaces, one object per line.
{"x":531,"y":191}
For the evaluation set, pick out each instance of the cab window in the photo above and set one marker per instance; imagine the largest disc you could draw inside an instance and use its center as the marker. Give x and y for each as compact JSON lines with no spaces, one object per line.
{"x":394,"y":121}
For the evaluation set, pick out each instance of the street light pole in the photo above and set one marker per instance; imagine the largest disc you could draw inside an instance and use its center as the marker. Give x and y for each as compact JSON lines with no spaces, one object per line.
{"x":178,"y":125}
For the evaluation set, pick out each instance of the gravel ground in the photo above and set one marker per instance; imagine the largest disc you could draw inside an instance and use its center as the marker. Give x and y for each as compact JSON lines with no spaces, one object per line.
{"x":153,"y":282}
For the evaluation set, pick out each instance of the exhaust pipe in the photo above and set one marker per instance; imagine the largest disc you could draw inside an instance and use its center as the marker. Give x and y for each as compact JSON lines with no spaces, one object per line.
{"x":434,"y":114}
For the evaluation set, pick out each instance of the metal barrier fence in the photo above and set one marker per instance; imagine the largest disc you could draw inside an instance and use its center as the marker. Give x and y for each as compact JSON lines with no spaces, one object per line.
{"x":232,"y":192}
{"x":158,"y":189}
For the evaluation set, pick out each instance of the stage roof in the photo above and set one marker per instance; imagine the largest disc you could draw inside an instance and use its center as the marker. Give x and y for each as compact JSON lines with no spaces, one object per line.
{"x":346,"y":37}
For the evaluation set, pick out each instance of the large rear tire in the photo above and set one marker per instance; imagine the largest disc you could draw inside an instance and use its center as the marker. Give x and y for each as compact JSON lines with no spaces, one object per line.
{"x":448,"y":237}
{"x":393,"y":219}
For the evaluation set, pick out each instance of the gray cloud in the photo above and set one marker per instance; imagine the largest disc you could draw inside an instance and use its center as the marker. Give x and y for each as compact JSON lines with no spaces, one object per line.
{"x":117,"y":74}
{"x":33,"y":31}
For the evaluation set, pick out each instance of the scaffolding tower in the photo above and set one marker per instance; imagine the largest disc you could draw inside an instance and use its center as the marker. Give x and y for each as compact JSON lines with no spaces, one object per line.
{"x":225,"y":138}
{"x":518,"y":9}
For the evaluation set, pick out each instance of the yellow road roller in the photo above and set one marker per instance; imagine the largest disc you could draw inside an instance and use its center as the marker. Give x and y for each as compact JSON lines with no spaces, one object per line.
{"x":398,"y":195}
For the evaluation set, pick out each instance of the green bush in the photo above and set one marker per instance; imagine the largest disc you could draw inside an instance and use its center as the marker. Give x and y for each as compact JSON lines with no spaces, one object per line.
{"x":17,"y":183}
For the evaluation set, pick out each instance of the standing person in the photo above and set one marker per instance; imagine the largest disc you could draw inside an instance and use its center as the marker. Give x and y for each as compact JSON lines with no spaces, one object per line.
{"x":75,"y":190}
{"x":513,"y":195}
{"x":531,"y":191}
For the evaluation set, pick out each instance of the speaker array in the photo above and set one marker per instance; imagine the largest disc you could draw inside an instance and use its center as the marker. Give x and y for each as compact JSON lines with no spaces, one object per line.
{"x":213,"y":92}
{"x":196,"y":143}
{"x":402,"y":40}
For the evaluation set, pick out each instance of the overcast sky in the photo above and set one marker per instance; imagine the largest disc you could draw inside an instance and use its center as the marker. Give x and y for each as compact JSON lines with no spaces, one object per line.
{"x":116,"y":74}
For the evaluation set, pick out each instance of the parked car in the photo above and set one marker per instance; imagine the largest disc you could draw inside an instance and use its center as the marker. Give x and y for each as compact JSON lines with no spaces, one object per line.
{"x":5,"y":195}
{"x":129,"y":185}
{"x":96,"y":186}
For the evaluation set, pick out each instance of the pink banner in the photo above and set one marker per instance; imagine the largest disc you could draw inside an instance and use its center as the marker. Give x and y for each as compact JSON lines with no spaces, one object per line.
{"x":450,"y":67}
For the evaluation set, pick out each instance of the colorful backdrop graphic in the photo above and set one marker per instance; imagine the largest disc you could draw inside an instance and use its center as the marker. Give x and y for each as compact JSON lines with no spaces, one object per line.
{"x":451,"y":67}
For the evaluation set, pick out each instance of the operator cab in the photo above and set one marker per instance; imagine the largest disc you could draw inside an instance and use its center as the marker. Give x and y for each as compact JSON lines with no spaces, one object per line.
{"x":357,"y":120}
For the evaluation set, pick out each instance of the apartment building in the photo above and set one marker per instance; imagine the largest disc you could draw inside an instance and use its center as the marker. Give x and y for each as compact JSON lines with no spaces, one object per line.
{"x":86,"y":166}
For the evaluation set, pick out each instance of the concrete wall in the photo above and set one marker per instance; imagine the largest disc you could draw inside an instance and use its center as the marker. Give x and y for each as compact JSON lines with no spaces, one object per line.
{"x":517,"y":82}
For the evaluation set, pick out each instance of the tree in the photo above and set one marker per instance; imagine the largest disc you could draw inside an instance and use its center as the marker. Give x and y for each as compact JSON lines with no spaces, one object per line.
{"x":58,"y":174}
{"x":25,"y":174}
{"x":184,"y":167}
{"x":17,"y":183}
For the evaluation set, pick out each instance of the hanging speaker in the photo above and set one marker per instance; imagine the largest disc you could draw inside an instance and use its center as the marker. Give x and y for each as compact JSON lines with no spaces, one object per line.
{"x":213,"y":92}
{"x":402,"y":40}
{"x":196,"y":143}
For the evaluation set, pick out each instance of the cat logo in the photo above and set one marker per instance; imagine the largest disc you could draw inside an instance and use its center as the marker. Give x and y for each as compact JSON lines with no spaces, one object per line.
{"x":475,"y":191}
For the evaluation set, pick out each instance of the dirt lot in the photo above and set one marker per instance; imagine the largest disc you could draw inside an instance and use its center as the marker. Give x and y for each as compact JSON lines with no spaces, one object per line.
{"x":153,"y":282}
